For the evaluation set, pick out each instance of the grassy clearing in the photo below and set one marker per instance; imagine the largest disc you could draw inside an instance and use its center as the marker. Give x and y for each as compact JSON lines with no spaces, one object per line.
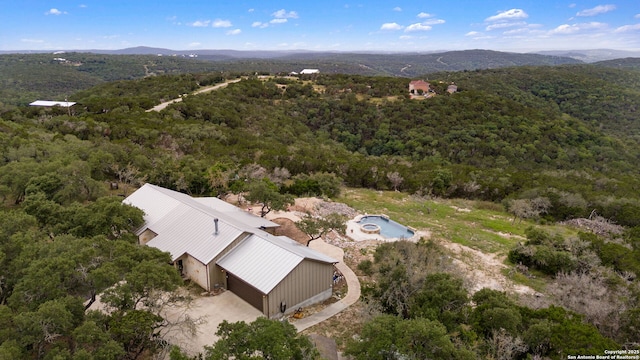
{"x":537,"y":281}
{"x":479,"y":225}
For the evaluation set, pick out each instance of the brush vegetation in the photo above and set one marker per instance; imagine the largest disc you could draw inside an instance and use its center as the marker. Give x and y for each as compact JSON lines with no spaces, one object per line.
{"x":518,"y":145}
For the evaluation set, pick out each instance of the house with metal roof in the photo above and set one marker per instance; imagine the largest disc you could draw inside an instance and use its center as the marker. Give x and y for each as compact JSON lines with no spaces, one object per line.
{"x":47,"y":103}
{"x":218,"y":245}
{"x":309,"y":71}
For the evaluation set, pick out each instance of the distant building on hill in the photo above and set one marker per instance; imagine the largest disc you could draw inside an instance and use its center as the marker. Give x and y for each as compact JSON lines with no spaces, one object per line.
{"x":309,"y":71}
{"x":418,"y":87}
{"x":452,"y":88}
{"x":47,"y":103}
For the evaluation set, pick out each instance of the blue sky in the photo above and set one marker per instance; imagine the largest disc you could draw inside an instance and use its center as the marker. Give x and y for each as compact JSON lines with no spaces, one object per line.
{"x":320,"y":25}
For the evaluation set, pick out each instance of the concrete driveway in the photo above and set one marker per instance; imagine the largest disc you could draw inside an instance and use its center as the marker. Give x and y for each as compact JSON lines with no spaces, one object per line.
{"x":209,"y":311}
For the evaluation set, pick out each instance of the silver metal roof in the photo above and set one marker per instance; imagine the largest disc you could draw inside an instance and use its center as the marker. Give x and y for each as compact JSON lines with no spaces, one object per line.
{"x":237,"y":213}
{"x":52,"y":103}
{"x":183,"y":225}
{"x":260,"y":263}
{"x":264,"y":261}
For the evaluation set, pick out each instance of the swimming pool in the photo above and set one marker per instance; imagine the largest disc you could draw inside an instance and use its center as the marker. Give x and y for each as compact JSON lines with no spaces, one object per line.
{"x":388,"y":228}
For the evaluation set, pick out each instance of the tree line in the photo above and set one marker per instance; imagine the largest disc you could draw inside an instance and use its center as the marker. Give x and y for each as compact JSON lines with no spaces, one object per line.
{"x":284,"y":137}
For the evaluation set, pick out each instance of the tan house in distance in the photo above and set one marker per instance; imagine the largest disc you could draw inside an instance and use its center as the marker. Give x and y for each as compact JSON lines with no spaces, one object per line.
{"x":219,"y":246}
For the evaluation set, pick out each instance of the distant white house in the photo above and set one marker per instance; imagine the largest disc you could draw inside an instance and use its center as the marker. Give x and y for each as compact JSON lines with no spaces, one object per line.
{"x":47,"y":103}
{"x":309,"y":71}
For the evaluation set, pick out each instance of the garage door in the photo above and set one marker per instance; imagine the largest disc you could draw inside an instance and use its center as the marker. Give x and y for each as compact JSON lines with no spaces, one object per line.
{"x":245,"y":291}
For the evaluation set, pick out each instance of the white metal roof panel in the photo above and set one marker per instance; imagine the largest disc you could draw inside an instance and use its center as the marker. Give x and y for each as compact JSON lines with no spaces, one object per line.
{"x":153,"y":203}
{"x":260,"y":263}
{"x":189,"y":231}
{"x":181,"y":227}
{"x":299,"y":249}
{"x":52,"y":103}
{"x":236,"y":213}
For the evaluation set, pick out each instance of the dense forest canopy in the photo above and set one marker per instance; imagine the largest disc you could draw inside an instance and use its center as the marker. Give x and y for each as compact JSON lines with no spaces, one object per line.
{"x":560,"y":142}
{"x":24,"y":77}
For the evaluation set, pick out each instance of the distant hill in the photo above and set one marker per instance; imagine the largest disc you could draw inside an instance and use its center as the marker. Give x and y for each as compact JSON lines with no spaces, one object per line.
{"x":590,"y":56}
{"x":417,"y":64}
{"x":27,"y":77}
{"x":626,"y":63}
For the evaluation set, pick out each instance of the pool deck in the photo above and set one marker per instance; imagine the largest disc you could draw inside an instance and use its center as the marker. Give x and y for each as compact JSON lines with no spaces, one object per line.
{"x":355,"y":233}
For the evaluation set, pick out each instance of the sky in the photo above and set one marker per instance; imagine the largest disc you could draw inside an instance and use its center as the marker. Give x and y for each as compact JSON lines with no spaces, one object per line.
{"x":328,"y":25}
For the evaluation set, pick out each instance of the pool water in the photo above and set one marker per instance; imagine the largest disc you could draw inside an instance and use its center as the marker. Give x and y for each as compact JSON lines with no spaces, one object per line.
{"x":388,"y":227}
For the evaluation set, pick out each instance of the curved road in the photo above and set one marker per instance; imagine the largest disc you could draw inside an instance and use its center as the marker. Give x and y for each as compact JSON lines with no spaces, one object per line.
{"x":203,"y":90}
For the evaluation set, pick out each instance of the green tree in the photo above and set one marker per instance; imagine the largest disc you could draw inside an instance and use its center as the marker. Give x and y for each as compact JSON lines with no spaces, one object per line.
{"x":317,"y":227}
{"x":135,"y":329}
{"x":145,"y":285}
{"x":51,"y":323}
{"x":443,"y":298}
{"x":96,"y":342}
{"x":399,"y":272}
{"x":260,"y":339}
{"x":390,"y":337}
{"x":266,"y":193}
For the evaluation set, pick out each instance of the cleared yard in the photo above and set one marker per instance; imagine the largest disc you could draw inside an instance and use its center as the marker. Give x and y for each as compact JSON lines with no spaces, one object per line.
{"x":211,"y":310}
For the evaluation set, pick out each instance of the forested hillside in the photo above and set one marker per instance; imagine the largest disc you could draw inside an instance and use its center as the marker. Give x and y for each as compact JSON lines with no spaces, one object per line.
{"x":550,"y":143}
{"x":27,"y":77}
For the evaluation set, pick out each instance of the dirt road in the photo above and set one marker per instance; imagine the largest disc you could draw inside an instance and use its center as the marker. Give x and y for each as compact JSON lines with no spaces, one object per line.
{"x":203,"y":90}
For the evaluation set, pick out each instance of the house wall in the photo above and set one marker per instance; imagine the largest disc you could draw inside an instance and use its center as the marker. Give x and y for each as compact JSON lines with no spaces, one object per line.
{"x":310,"y":282}
{"x":217,"y":275}
{"x":196,"y":271}
{"x":146,"y":236}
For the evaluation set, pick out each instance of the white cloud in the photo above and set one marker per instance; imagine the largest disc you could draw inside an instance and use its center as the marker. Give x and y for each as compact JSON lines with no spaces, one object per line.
{"x":278,"y":21}
{"x":251,"y":10}
{"x":217,"y":23}
{"x":530,"y":29}
{"x":194,"y":44}
{"x":433,"y":22}
{"x":391,"y":26}
{"x":234,"y":32}
{"x":32,"y":41}
{"x":600,"y":9}
{"x":637,"y":16}
{"x":472,"y":33}
{"x":417,"y":27}
{"x":83,"y":6}
{"x":509,"y":15}
{"x":284,"y":14}
{"x":505,"y":25}
{"x":54,"y":11}
{"x":397,"y":8}
{"x":627,"y":28}
{"x":424,"y":15}
{"x":406,"y":37}
{"x":516,"y":31}
{"x":259,"y":24}
{"x":566,"y":29}
{"x":571,"y":6}
{"x":200,"y":23}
